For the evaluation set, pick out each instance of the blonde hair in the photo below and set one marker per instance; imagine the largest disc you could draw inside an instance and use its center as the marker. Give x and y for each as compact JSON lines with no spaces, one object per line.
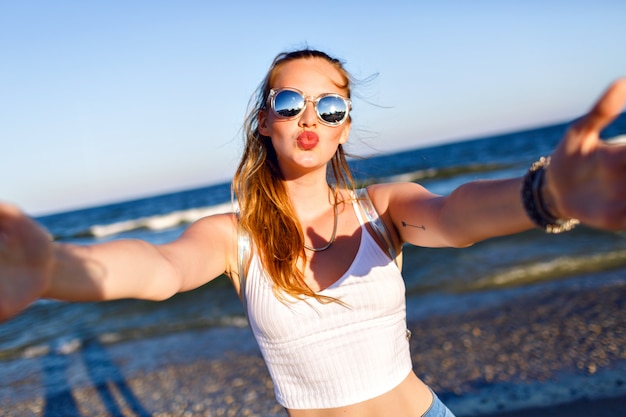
{"x":266,"y":213}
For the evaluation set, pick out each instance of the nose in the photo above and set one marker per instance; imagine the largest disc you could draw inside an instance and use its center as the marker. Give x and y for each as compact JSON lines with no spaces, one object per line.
{"x":308,"y":116}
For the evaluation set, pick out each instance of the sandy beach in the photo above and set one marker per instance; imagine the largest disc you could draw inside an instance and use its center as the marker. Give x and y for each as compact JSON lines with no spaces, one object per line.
{"x":550,"y":352}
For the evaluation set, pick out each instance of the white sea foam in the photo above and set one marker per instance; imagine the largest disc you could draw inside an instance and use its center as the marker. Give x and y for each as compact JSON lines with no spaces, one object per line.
{"x":412,"y":176}
{"x":160,"y":222}
{"x":65,"y":346}
{"x":36,"y":351}
{"x":617,"y":140}
{"x":551,"y":269}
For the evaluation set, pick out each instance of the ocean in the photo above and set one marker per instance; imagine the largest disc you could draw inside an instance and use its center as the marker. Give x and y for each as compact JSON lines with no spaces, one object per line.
{"x":438,"y":280}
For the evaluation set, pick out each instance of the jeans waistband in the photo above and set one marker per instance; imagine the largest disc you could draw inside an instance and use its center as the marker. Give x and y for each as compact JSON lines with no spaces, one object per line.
{"x":437,"y":408}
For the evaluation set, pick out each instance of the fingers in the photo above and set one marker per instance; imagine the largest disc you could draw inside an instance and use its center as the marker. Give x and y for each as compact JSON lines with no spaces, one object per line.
{"x":583,"y":137}
{"x":608,"y":106}
{"x":16,"y":225}
{"x":8,"y":213}
{"x":6,"y":208}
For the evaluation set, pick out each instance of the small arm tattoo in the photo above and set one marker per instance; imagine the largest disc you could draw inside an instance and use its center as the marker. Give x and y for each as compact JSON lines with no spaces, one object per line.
{"x":405,"y":224}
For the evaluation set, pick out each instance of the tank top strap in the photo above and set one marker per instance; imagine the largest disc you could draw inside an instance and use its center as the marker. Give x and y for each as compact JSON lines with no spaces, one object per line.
{"x":357,"y":207}
{"x":244,"y":251}
{"x":378,"y":226}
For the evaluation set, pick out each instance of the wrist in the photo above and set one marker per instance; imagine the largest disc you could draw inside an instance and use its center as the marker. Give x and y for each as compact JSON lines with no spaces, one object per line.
{"x":55,"y":265}
{"x":546,"y":193}
{"x":539,"y":201}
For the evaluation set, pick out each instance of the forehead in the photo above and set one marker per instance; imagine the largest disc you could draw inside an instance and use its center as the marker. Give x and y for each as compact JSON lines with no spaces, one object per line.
{"x":310,"y":75}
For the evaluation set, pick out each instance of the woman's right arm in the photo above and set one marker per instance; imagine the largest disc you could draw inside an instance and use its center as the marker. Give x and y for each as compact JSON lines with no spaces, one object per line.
{"x":32,"y":267}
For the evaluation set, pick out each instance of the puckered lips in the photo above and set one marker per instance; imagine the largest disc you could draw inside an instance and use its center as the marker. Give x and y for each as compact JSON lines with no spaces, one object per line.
{"x":307,"y":140}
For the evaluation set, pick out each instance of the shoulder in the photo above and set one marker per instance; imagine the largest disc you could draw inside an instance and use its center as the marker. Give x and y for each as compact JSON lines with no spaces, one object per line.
{"x":383,"y":197}
{"x":217,"y":227}
{"x":403,"y":203}
{"x":210,"y":236}
{"x":387,"y":195}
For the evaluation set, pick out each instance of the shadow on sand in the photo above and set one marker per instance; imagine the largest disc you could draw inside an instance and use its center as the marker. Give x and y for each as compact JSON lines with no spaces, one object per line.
{"x":113,"y":392}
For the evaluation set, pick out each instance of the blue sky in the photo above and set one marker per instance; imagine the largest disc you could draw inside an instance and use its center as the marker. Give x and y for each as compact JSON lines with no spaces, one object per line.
{"x":111,"y":100}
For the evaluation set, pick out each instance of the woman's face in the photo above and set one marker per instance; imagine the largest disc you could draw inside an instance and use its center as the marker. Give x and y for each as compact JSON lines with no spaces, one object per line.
{"x":303,"y":143}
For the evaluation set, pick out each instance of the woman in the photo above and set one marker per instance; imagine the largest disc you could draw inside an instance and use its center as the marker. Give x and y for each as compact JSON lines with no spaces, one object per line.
{"x":322,"y":289}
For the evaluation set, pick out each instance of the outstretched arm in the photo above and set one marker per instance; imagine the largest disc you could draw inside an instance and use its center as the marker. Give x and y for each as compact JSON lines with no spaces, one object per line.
{"x":31,"y":266}
{"x":586,"y":179}
{"x":473,"y":212}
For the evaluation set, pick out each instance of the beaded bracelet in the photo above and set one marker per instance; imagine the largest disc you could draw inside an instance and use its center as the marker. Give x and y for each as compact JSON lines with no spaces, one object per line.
{"x":535,"y":206}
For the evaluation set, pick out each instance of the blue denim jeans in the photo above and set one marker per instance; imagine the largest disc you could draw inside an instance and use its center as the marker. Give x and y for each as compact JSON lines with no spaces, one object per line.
{"x":438,"y":409}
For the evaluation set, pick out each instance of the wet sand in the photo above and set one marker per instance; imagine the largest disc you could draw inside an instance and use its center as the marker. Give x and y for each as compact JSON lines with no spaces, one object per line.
{"x":609,"y":407}
{"x":537,"y":351}
{"x":549,"y":353}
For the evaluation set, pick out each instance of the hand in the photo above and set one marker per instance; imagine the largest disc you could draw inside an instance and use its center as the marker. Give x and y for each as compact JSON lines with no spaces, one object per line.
{"x":26,"y":259}
{"x":586,"y":178}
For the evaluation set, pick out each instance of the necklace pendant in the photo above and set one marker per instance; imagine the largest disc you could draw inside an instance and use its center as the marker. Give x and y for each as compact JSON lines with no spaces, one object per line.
{"x":332,"y":238}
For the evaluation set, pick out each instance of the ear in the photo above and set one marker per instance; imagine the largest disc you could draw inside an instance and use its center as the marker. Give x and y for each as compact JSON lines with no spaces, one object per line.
{"x":263,"y":123}
{"x":345,"y":134}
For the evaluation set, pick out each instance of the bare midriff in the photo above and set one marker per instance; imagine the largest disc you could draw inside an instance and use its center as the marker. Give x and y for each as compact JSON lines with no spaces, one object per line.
{"x":409,"y":399}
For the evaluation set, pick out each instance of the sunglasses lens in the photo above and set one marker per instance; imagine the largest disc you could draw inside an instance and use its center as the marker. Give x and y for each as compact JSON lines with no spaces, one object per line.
{"x":332,"y":109}
{"x":288,"y":103}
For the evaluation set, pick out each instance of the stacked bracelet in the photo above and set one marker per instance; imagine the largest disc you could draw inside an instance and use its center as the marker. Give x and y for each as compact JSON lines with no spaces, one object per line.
{"x":534,"y":204}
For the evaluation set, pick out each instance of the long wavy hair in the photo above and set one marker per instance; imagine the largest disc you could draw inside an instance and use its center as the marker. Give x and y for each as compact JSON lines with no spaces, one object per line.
{"x":265,"y":210}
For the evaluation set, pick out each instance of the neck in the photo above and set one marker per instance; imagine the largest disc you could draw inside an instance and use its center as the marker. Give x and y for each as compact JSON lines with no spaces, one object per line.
{"x":309,"y":196}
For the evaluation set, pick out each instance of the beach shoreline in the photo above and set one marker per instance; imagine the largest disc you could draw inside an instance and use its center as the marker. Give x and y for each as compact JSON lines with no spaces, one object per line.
{"x":554,"y":351}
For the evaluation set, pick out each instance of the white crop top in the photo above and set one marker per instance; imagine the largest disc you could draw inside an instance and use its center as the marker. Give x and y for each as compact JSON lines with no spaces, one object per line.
{"x":333,"y":355}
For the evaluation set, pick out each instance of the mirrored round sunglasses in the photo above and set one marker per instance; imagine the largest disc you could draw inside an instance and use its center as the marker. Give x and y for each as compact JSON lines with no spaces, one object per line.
{"x":288,"y":103}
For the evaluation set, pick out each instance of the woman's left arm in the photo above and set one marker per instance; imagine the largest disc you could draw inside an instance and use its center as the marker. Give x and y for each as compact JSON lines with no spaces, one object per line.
{"x":586,"y":180}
